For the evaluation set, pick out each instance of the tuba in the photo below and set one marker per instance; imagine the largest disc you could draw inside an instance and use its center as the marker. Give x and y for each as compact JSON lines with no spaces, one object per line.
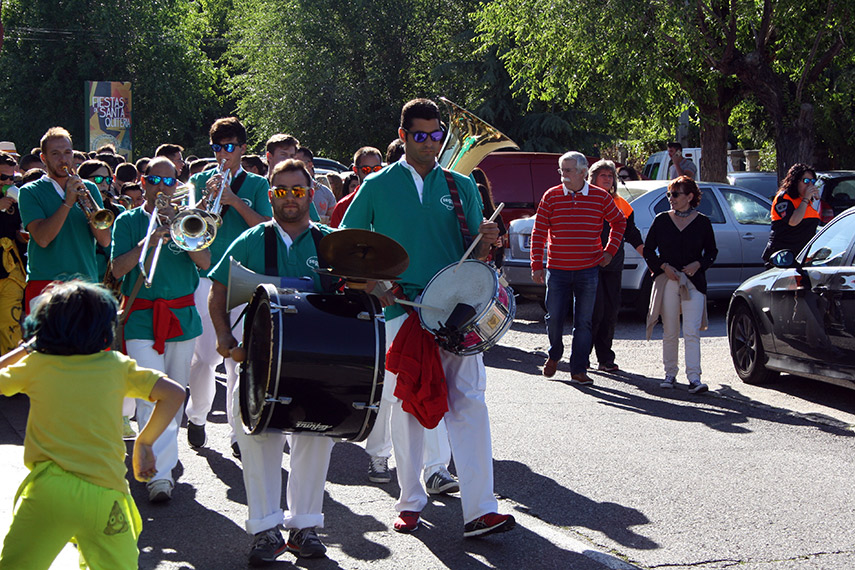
{"x":469,"y":140}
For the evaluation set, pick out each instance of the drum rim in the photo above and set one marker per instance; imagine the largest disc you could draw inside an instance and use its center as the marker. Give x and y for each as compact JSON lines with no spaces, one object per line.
{"x":480,"y":314}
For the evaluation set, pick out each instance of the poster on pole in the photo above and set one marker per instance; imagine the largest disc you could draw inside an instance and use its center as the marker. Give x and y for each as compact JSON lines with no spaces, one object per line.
{"x":108,"y":110}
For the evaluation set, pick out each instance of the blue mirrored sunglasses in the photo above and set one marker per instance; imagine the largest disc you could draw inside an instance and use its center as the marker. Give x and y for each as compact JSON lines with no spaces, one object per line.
{"x":421,"y":136}
{"x":154,"y":180}
{"x":228,"y":147}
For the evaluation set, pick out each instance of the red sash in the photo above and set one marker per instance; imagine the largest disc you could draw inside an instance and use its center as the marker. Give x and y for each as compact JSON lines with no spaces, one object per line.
{"x":164,"y":321}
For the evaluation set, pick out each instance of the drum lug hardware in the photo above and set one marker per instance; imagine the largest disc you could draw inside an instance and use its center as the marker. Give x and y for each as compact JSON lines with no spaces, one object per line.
{"x":284,"y":400}
{"x":287,"y":309}
{"x":364,"y":406}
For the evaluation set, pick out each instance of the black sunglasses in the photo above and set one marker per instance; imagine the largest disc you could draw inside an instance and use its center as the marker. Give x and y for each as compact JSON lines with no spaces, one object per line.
{"x":100,"y":179}
{"x":421,"y":136}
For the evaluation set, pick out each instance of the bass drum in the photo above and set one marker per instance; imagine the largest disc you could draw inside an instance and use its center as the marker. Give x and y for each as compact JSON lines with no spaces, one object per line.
{"x":314,"y":363}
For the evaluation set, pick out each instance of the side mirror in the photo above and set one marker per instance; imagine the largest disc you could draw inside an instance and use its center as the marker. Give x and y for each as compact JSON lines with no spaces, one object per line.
{"x":783,"y":259}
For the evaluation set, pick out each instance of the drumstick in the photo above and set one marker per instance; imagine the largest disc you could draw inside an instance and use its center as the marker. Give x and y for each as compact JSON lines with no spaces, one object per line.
{"x":414,"y":304}
{"x":478,"y":237}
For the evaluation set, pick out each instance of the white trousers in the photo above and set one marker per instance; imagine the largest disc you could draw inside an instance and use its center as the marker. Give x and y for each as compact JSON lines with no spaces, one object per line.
{"x":261,"y":458}
{"x":204,"y":361}
{"x":174,"y":363}
{"x":437,"y":451}
{"x":468,"y":424}
{"x":693,"y":312}
{"x":202,"y":383}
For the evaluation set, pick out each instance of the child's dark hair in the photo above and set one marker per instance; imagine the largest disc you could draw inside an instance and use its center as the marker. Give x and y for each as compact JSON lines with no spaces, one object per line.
{"x":72,"y":318}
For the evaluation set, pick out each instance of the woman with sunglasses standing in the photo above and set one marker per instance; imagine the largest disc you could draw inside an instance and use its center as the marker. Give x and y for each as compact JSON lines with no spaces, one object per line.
{"x":795,"y":211}
{"x":679,"y":248}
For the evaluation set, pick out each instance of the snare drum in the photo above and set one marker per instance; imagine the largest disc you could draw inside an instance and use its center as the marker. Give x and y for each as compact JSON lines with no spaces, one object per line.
{"x":314,"y":363}
{"x":476,"y":284}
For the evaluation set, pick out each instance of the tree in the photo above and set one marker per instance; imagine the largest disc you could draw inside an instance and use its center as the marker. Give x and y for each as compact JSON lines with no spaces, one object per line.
{"x":51,"y":48}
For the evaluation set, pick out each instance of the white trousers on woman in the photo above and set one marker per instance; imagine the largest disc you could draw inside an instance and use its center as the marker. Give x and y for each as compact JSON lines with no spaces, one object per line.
{"x":174,"y":363}
{"x":468,"y":424}
{"x":692,"y":309}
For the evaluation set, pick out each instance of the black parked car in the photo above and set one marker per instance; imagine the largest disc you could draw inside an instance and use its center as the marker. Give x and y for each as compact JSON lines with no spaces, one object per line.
{"x":799,"y":317}
{"x":838,"y":191}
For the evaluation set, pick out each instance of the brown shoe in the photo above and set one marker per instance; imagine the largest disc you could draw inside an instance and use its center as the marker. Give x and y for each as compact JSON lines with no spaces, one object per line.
{"x":550,"y":367}
{"x":581,"y":379}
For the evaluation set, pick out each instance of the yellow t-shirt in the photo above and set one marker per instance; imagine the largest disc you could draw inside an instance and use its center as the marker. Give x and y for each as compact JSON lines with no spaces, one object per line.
{"x":76,"y":411}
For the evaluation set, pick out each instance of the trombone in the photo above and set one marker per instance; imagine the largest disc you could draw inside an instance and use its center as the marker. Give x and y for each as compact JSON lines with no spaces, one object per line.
{"x":100,"y":218}
{"x":191,"y":229}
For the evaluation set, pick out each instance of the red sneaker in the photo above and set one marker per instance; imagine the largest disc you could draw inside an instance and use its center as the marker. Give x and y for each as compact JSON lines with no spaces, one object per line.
{"x":488,"y":524}
{"x":407,"y":521}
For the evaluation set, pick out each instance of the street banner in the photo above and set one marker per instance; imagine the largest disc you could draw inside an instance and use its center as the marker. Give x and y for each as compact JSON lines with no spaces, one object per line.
{"x":108,"y":110}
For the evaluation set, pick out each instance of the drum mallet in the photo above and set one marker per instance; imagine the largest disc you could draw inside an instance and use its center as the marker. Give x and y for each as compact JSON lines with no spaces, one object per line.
{"x":478,"y":237}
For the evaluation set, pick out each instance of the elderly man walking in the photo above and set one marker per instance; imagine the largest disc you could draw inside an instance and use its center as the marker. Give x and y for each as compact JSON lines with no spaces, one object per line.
{"x":568,"y":223}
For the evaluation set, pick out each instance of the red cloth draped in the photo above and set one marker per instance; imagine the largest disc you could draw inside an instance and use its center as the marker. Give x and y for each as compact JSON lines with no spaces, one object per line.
{"x":164,"y":321}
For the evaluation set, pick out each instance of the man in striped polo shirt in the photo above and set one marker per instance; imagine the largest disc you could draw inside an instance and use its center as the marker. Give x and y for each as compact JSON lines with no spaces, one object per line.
{"x":568,"y":223}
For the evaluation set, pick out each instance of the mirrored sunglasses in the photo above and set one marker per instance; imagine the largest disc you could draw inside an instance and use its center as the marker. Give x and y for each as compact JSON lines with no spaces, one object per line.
{"x":809,"y":180}
{"x":228,"y":147}
{"x":421,"y":136}
{"x":154,"y":180}
{"x":282,"y":191}
{"x":370,"y":169}
{"x":97,"y":179}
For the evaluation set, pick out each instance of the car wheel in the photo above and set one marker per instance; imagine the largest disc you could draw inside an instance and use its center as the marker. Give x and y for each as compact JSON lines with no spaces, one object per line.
{"x":746,"y":348}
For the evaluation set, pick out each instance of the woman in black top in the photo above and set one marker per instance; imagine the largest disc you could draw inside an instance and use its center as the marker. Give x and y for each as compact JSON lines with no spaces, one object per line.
{"x":679,"y":248}
{"x":794,"y":211}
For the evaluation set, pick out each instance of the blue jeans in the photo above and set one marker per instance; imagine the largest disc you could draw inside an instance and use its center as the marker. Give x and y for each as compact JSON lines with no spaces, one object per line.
{"x":562,"y":289}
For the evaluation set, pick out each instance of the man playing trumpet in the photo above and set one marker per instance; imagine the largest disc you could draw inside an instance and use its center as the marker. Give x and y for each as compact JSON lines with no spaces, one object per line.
{"x":163,"y":324}
{"x":62,"y":241}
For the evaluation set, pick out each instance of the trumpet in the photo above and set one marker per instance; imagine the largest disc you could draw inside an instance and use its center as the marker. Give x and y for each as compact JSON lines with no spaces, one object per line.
{"x":191,"y":229}
{"x":100,"y":218}
{"x":215,"y":206}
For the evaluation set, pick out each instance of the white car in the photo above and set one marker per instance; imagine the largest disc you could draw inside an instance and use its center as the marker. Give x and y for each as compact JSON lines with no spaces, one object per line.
{"x":740,"y":217}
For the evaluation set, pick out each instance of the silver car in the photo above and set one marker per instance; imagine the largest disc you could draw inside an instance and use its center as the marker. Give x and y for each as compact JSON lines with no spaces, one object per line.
{"x":740,"y":217}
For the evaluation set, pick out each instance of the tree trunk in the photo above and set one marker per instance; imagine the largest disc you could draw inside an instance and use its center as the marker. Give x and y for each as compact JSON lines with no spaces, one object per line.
{"x":713,"y":131}
{"x":794,"y":139}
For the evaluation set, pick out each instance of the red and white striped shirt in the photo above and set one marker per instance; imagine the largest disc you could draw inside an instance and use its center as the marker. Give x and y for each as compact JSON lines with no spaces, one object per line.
{"x":570,"y":223}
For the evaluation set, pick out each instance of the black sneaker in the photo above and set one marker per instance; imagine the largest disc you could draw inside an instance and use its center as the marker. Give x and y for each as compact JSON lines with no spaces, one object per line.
{"x":305,"y":543}
{"x":442,"y":483}
{"x":267,"y":546}
{"x":235,"y":450}
{"x":488,"y":524}
{"x":196,"y":435}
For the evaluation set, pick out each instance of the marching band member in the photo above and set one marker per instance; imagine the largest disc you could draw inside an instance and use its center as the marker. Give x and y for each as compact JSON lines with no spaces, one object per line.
{"x":261,"y":455}
{"x":163,"y":322}
{"x":409,"y":202}
{"x":62,"y":241}
{"x":244,"y":205}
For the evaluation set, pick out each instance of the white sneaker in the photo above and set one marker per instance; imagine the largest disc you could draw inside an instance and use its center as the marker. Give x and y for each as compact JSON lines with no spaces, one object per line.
{"x":159,"y":490}
{"x":668,"y":382}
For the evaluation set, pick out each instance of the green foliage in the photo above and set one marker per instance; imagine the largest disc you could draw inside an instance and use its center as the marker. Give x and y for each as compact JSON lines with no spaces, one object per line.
{"x":51,"y":48}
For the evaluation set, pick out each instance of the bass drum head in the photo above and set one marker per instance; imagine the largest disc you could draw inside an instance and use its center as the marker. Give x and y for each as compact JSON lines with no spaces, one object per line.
{"x":474,"y":283}
{"x":256,"y":368}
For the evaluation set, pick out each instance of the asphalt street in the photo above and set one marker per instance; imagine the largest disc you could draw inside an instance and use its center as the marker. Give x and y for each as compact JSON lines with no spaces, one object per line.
{"x":619,"y":475}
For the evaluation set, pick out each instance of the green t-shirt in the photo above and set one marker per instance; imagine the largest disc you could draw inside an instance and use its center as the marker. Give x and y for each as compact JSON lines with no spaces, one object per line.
{"x":299,"y":260}
{"x":76,"y":410}
{"x":176,"y":276}
{"x":253,"y":192}
{"x":72,"y":252}
{"x":388,"y":203}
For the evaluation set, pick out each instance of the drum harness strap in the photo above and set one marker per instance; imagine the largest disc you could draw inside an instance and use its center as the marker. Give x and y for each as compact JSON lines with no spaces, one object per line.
{"x":271,"y":256}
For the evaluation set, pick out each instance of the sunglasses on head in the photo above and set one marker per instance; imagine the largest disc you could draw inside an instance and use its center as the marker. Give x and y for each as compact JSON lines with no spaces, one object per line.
{"x":674,"y":194}
{"x":421,"y":136}
{"x":809,"y":180}
{"x":370,"y":169}
{"x":228,"y":147}
{"x":623,"y":176}
{"x":155,"y":180}
{"x":99,"y":179}
{"x":282,"y":191}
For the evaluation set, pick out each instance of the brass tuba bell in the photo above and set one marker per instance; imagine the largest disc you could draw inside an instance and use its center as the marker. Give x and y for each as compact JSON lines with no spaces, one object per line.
{"x":469,"y":140}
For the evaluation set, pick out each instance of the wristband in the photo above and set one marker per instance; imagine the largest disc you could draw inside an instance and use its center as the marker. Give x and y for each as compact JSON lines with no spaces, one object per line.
{"x":66,"y":205}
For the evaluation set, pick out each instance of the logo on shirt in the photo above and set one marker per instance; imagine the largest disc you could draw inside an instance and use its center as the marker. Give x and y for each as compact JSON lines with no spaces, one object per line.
{"x":313,"y":262}
{"x":247,"y":201}
{"x":447,"y":202}
{"x":781,"y":206}
{"x":173,"y":247}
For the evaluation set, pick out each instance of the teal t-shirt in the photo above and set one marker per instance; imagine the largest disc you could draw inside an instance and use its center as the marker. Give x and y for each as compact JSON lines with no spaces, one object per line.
{"x":299,"y":260}
{"x":388,"y":203}
{"x":253,"y":192}
{"x":72,"y":252}
{"x":176,"y":276}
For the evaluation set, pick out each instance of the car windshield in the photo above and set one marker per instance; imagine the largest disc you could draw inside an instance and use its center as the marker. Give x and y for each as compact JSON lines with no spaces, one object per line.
{"x":830,"y":247}
{"x":630,"y":194}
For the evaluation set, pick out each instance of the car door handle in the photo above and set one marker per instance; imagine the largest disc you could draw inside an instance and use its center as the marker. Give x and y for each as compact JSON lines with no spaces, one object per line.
{"x":748,"y":237}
